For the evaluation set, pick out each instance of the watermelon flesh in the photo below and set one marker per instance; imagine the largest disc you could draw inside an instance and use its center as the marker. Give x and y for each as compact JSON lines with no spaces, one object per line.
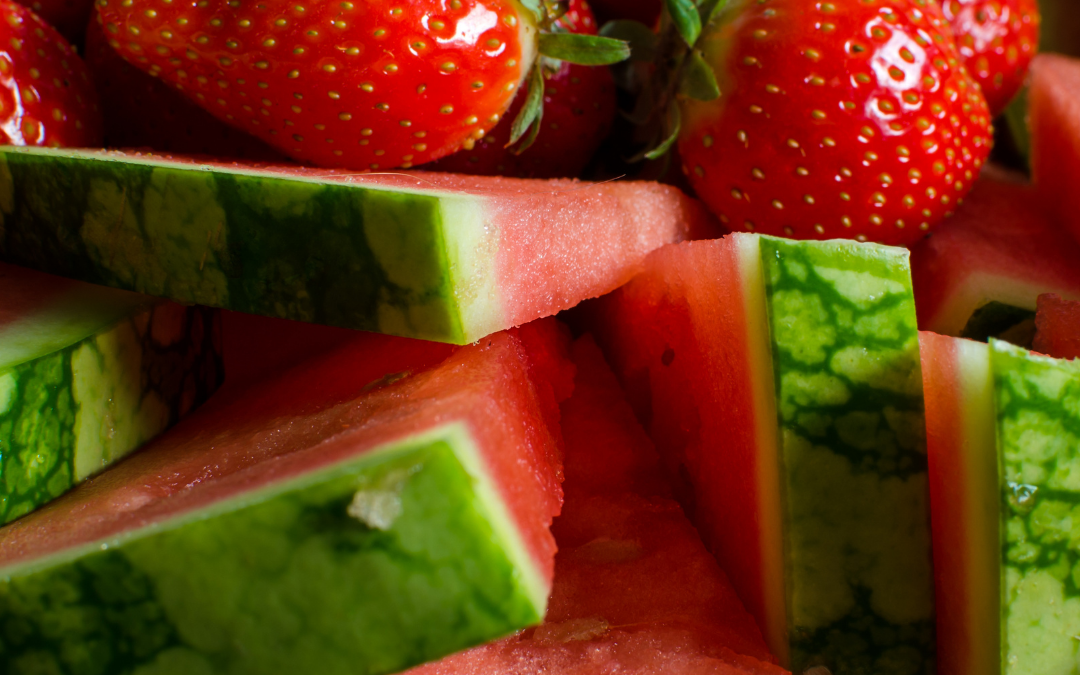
{"x":616,"y":605}
{"x":1002,"y":441}
{"x":820,"y":520}
{"x":1054,"y":122}
{"x":434,"y":256}
{"x":980,"y":273}
{"x":383,"y":505}
{"x":1057,"y":327}
{"x":88,"y":374}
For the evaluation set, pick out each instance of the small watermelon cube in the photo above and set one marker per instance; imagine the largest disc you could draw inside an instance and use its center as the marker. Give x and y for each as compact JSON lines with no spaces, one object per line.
{"x":1003,"y":429}
{"x":635,"y":590}
{"x":384,"y":505}
{"x":434,"y":256}
{"x":1057,"y":327}
{"x":88,"y":374}
{"x":1054,"y":121}
{"x":780,"y":380}
{"x":980,"y":273}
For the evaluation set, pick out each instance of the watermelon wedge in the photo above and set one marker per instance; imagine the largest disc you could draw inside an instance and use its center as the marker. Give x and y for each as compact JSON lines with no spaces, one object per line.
{"x":1054,"y":121}
{"x":436,"y":256}
{"x":88,"y":374}
{"x":616,"y":605}
{"x":780,"y":381}
{"x":1057,"y":327}
{"x":980,"y":273}
{"x":384,"y":505}
{"x":1002,"y":436}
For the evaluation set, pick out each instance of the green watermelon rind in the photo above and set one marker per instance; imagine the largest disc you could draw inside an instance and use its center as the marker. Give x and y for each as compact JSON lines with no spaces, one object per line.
{"x":853,"y":456}
{"x":1038,"y":441}
{"x":291,"y":577}
{"x":67,"y":414}
{"x":403,"y":261}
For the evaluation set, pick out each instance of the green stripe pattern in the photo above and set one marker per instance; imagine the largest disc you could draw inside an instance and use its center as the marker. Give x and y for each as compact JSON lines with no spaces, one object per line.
{"x":67,"y":414}
{"x":1038,"y":429}
{"x":853,"y":457}
{"x":321,"y":252}
{"x":369,"y":566}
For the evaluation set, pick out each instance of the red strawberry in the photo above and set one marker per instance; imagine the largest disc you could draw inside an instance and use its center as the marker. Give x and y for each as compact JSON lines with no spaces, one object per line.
{"x":837,"y":119}
{"x":141,"y":111}
{"x":46,"y":96}
{"x":997,"y":40}
{"x":68,"y":17}
{"x":579,"y":105}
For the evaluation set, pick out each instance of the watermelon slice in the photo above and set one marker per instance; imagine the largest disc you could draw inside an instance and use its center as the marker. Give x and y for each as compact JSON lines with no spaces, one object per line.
{"x":616,"y":606}
{"x":435,"y":256}
{"x":88,"y":374}
{"x":1002,"y":427}
{"x":781,"y":382}
{"x":1057,"y":327}
{"x":1054,"y":121}
{"x":980,"y":273}
{"x":349,"y":517}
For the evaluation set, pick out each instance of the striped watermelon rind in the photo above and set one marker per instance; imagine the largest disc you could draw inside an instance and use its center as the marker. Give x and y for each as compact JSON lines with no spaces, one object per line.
{"x":371,"y":565}
{"x":88,"y":375}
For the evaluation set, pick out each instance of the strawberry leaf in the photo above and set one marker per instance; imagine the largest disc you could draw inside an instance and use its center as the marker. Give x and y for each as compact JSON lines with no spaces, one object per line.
{"x":673,"y":125}
{"x":710,"y":8}
{"x":535,"y":7}
{"x":698,"y":80}
{"x":583,"y":50}
{"x":684,"y":14}
{"x":532,"y":113}
{"x":640,"y":37}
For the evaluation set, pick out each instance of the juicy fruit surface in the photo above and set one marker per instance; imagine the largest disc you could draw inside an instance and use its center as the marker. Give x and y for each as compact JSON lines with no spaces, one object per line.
{"x":363,"y":85}
{"x":1001,"y":247}
{"x":1054,"y":120}
{"x":616,"y":605}
{"x":851,"y":120}
{"x":1057,"y":327}
{"x":435,"y":540}
{"x":849,"y":396}
{"x":46,"y":96}
{"x":1037,"y":425}
{"x":68,"y":414}
{"x":579,"y":106}
{"x":142,"y":111}
{"x":997,"y":40}
{"x":68,"y":17}
{"x":437,"y":256}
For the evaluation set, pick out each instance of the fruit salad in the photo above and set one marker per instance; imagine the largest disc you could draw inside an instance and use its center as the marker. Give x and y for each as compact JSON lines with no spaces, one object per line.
{"x":516,"y":336}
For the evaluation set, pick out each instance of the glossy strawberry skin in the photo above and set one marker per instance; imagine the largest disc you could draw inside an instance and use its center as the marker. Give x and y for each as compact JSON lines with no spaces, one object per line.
{"x":141,"y":111}
{"x":46,"y":96}
{"x":365,"y":85}
{"x":579,"y":106}
{"x":997,"y":39}
{"x":853,"y":120}
{"x":68,"y":17}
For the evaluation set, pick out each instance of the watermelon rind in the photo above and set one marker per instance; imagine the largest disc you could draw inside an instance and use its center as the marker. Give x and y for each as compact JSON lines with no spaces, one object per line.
{"x":1038,"y":437}
{"x":853,"y":455}
{"x":371,"y":565}
{"x":89,"y":376}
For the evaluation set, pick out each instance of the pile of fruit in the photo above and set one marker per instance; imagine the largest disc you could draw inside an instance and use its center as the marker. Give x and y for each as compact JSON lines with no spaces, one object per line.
{"x":499,"y":336}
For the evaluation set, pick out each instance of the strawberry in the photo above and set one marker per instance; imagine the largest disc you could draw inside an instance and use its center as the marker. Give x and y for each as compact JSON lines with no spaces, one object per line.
{"x":141,"y":111}
{"x":46,"y":96}
{"x":579,"y":105}
{"x":997,"y":40}
{"x":368,"y":85}
{"x":837,"y":119}
{"x":68,"y":17}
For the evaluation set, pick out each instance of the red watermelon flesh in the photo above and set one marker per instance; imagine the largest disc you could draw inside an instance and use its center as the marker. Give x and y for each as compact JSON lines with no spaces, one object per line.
{"x":1057,"y":327}
{"x":363,"y":387}
{"x":635,"y":590}
{"x":998,"y":248}
{"x":1054,"y":121}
